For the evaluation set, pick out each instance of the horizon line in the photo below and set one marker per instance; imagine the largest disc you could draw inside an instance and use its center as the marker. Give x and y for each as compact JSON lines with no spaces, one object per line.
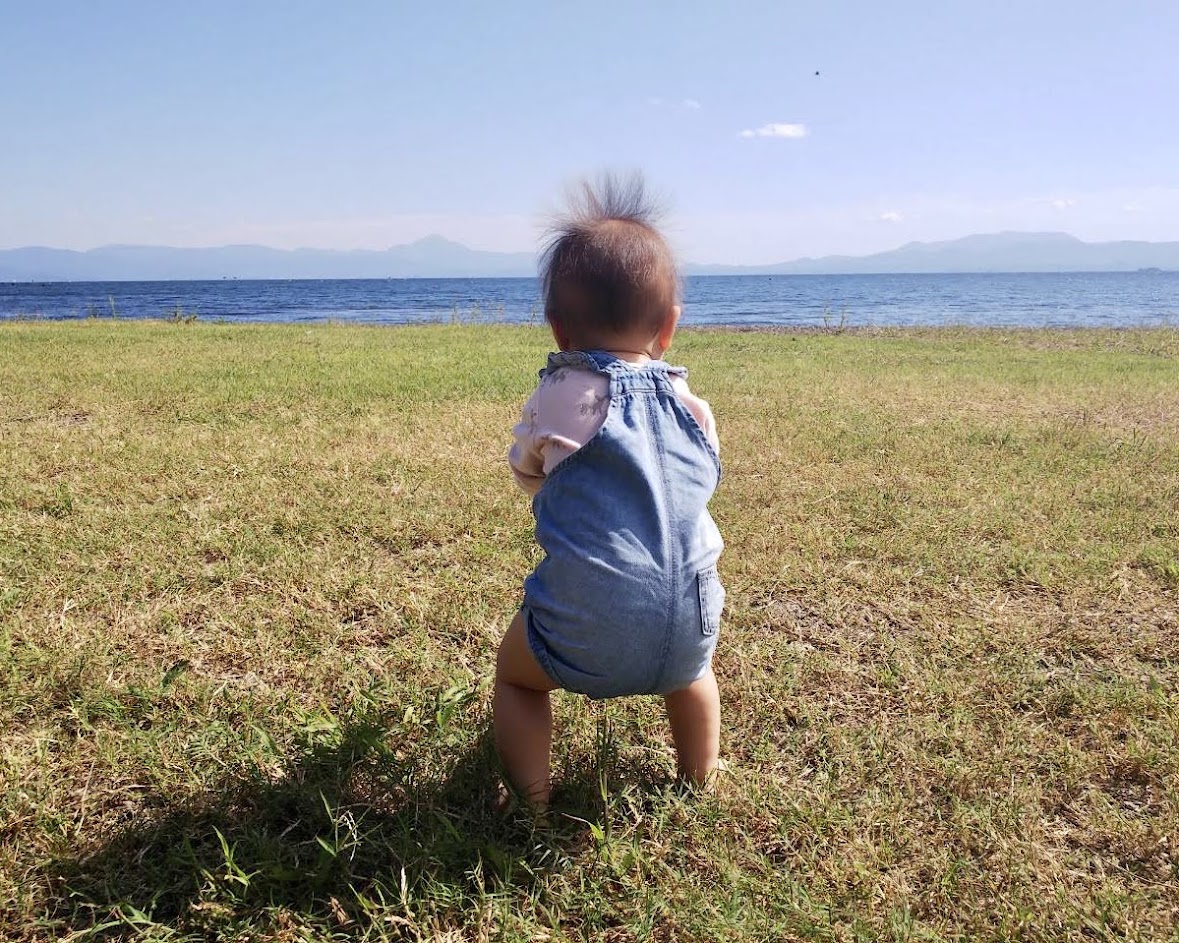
{"x":1144,"y":270}
{"x":467,"y":268}
{"x":454,"y":242}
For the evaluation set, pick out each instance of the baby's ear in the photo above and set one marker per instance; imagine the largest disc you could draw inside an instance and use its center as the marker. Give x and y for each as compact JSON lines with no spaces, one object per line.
{"x":667,"y":330}
{"x":559,"y":335}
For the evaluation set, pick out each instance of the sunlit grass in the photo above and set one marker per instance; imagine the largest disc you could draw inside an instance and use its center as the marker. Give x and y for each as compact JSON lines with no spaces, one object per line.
{"x":252,"y":580}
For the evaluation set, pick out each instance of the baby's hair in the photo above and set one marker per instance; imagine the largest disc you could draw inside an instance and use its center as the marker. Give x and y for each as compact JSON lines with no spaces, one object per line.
{"x":606,"y":268}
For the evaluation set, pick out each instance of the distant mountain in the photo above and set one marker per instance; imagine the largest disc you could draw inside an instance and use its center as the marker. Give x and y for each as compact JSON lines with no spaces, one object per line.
{"x":994,"y":252}
{"x":431,"y":257}
{"x":436,"y":257}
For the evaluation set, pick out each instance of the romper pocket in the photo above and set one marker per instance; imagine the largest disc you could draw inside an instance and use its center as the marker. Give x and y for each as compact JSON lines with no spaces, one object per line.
{"x":712,"y":600}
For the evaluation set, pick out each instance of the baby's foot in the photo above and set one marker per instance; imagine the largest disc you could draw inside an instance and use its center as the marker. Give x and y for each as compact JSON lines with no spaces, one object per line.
{"x":507,"y":802}
{"x":709,"y":784}
{"x":504,"y":802}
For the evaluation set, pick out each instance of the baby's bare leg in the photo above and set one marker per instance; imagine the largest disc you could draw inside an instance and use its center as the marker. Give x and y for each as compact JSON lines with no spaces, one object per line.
{"x":523,"y":717}
{"x":694,"y":713}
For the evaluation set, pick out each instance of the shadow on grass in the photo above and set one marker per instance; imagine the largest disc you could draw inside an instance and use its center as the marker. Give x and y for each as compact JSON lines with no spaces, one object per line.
{"x":350,"y":832}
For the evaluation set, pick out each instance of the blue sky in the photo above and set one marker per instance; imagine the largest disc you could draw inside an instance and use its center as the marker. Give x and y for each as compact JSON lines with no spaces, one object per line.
{"x":368,"y":124}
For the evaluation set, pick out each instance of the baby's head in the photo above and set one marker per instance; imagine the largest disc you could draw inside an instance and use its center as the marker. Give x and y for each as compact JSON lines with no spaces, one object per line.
{"x":608,"y":276}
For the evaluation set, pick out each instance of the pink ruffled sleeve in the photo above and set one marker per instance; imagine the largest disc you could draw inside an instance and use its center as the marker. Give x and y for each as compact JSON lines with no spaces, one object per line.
{"x":563,"y":413}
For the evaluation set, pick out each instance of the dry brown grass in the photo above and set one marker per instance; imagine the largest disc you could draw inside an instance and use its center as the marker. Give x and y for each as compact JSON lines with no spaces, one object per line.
{"x":251,"y":581}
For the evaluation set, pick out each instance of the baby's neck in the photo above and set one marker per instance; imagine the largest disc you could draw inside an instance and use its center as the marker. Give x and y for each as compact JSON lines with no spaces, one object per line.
{"x":630,"y":356}
{"x":635,"y":350}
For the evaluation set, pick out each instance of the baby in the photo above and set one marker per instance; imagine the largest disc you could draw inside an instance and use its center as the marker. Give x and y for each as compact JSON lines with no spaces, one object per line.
{"x":621,"y":460}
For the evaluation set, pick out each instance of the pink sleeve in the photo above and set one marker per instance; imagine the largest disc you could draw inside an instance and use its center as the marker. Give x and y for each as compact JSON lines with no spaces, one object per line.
{"x":564,"y":412}
{"x":525,"y":458}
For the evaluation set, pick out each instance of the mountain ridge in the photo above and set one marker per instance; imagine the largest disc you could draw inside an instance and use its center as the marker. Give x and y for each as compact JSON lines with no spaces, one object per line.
{"x":1008,"y":251}
{"x":435,"y":256}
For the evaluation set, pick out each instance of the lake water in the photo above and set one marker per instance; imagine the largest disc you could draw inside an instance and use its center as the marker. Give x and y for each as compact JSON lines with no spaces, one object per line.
{"x":1115,"y":299}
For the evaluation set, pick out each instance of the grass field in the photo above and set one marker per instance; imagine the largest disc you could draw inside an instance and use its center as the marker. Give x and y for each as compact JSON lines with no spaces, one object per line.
{"x":252,"y":580}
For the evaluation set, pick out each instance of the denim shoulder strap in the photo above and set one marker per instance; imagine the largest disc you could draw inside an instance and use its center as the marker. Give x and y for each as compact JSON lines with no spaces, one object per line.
{"x":581,"y":359}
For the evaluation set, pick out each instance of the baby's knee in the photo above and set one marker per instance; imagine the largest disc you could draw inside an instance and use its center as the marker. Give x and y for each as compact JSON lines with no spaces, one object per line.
{"x":514,"y":662}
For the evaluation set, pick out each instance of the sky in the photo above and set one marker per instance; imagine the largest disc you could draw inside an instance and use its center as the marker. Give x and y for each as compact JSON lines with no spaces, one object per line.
{"x":771,"y":130}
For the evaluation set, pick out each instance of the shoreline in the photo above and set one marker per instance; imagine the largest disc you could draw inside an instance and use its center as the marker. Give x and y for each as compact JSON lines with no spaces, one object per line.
{"x":801,"y":330}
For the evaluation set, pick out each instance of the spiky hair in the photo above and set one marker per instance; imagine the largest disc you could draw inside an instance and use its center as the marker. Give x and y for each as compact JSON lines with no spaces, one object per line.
{"x":605,"y":267}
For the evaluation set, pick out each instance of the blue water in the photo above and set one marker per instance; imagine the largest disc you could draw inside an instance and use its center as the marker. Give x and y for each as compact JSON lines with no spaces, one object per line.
{"x":1115,"y":299}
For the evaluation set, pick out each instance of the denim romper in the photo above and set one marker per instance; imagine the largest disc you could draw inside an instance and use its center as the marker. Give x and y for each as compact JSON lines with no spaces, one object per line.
{"x":627,"y":599}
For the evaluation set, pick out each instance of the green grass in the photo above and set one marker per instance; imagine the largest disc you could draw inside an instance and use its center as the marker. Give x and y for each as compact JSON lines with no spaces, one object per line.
{"x":252,"y":580}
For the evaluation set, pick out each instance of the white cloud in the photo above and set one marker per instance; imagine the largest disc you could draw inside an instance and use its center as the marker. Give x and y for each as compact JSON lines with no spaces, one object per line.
{"x":690,"y":104}
{"x":777,"y":131}
{"x":890,"y":217}
{"x":654,"y":102}
{"x":1063,"y":204}
{"x":1134,"y":207}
